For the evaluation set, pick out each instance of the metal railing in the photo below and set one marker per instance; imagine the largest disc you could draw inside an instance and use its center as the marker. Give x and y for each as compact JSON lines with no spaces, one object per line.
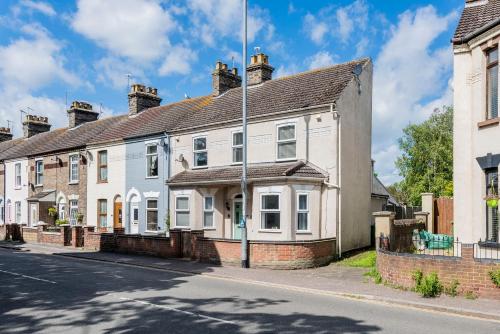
{"x":486,"y":250}
{"x":422,"y":244}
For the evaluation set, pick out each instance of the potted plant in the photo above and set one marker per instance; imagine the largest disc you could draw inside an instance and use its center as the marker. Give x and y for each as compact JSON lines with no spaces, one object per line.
{"x":60,"y":222}
{"x":79,"y":218}
{"x":492,"y":198}
{"x":52,"y":212}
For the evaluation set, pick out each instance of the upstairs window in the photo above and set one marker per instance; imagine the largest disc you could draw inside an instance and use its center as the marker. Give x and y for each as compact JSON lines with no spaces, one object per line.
{"x":39,"y":172}
{"x":287,"y":143}
{"x":237,"y":145}
{"x":17,"y":172}
{"x":492,"y":83}
{"x":102,"y":166}
{"x":200,"y":151}
{"x":73,"y":168}
{"x":152,"y":161}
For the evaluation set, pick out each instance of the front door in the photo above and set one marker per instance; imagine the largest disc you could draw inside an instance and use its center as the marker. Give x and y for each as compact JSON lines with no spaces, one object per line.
{"x":134,"y":218}
{"x":33,"y":214}
{"x":237,"y":214}
{"x":117,"y":215}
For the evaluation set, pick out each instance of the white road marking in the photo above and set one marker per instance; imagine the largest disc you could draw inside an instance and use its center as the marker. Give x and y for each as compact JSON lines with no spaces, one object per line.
{"x":26,"y":276}
{"x":177,"y":310}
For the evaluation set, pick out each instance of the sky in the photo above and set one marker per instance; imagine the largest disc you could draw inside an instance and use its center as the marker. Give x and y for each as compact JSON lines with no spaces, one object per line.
{"x":54,"y":52}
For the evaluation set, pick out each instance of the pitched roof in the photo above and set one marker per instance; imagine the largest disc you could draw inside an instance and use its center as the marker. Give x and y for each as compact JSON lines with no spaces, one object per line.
{"x":232,"y":174}
{"x":22,"y":147}
{"x":475,"y":16}
{"x":378,"y":189}
{"x":312,"y":88}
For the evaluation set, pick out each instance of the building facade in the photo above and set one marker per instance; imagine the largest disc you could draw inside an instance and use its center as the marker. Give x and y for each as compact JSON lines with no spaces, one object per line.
{"x":476,"y":121}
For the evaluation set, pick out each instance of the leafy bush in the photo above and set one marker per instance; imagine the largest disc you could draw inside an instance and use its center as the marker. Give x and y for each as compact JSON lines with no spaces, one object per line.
{"x":60,"y":222}
{"x":375,"y":275}
{"x":428,"y":286}
{"x":452,"y":289}
{"x":495,"y":277}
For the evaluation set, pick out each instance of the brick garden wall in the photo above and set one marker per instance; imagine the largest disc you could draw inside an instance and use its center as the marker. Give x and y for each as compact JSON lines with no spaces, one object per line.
{"x":472,"y":274}
{"x":10,"y":232}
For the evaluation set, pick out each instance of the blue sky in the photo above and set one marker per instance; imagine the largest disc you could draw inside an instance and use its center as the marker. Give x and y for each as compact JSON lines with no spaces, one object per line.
{"x":57,"y":51}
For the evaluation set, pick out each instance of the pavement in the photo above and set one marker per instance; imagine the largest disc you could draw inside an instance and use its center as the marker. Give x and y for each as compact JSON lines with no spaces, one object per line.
{"x":334,"y":281}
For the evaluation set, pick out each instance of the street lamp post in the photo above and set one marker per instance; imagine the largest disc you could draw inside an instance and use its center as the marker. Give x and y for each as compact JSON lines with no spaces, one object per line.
{"x":243,"y":223}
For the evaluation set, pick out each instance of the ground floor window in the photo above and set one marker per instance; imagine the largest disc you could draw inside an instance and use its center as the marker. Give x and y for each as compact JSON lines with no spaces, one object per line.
{"x":73,"y":212}
{"x":61,"y":211}
{"x":102,"y":212}
{"x":18,"y":212}
{"x":152,"y":215}
{"x":492,"y":227}
{"x":270,"y":211}
{"x":182,"y":211}
{"x":302,"y":212}
{"x":208,"y":211}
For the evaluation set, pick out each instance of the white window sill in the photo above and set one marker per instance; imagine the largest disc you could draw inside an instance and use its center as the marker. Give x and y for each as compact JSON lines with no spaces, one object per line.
{"x":73,"y":183}
{"x":181,"y":227}
{"x":199,"y":167}
{"x":209,"y":229}
{"x":38,"y":185}
{"x":269,"y":231}
{"x":151,"y":177}
{"x":236,"y":163}
{"x":287,"y":159}
{"x":303,"y":232}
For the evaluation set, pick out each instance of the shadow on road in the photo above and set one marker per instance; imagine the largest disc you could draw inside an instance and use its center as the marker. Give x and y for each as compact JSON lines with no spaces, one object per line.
{"x":94,"y":297}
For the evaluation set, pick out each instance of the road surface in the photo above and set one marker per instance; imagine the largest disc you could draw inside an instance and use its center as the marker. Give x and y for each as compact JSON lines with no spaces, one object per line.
{"x":54,"y":294}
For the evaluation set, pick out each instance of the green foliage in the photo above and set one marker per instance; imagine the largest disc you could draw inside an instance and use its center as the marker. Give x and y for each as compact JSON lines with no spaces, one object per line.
{"x":60,"y":222}
{"x":375,"y":275}
{"x":470,"y":295}
{"x":495,"y":277}
{"x":167,"y":220}
{"x":52,"y":212}
{"x":426,"y":163}
{"x":428,"y":286}
{"x":452,"y":288}
{"x":362,"y":260}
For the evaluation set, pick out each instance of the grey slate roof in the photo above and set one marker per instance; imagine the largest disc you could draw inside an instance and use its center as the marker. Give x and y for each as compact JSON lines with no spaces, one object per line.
{"x":474,"y":17}
{"x":378,"y":189}
{"x":232,"y":174}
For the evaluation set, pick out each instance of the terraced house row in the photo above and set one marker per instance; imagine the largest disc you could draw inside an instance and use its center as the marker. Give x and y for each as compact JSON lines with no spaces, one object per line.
{"x":178,"y":165}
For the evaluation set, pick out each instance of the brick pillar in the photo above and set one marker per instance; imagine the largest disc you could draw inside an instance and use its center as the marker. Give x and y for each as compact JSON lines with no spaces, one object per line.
{"x":175,"y":241}
{"x":65,"y":234}
{"x":77,"y":236}
{"x":119,"y":230}
{"x":383,"y":222}
{"x":428,"y":206}
{"x":422,"y":216}
{"x":194,"y":244}
{"x":40,"y":227}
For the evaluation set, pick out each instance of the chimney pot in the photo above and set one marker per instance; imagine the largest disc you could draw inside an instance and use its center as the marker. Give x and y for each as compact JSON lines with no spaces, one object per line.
{"x":81,"y":112}
{"x":34,"y":125}
{"x":142,"y":97}
{"x":259,"y":69}
{"x":223,"y":80}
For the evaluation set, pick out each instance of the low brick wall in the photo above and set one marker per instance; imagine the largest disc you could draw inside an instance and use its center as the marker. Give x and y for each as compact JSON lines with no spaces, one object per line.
{"x":40,"y":235}
{"x":471,"y":273}
{"x":10,"y":232}
{"x":267,"y":254}
{"x":30,"y":234}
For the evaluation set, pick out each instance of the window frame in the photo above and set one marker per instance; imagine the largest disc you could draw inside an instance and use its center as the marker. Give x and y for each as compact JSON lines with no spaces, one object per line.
{"x":73,"y":220}
{"x":208,"y":211}
{"x":285,"y":141}
{"x":148,"y":210}
{"x":188,"y":211}
{"x":147,"y":161}
{"x":233,"y":147}
{"x":263,"y":211}
{"x":18,"y":175}
{"x":18,"y":215}
{"x":101,"y":166}
{"x":200,"y":151}
{"x":489,"y":65}
{"x":39,"y":174}
{"x":307,"y":211}
{"x":70,"y":163}
{"x":101,"y":214}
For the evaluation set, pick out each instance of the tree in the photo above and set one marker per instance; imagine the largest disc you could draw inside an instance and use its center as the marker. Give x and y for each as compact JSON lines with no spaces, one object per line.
{"x":426,"y":162}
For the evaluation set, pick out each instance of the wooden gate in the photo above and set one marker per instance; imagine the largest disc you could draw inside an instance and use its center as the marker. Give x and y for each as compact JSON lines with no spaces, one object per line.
{"x":443,"y":215}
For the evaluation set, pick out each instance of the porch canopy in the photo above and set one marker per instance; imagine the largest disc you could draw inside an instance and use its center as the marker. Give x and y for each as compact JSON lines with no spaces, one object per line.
{"x":44,"y":196}
{"x":297,"y":170}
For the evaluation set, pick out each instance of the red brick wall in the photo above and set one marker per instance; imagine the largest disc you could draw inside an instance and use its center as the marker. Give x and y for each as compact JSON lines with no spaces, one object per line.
{"x":54,"y":238}
{"x":30,"y":234}
{"x":397,"y":268}
{"x":275,"y":255}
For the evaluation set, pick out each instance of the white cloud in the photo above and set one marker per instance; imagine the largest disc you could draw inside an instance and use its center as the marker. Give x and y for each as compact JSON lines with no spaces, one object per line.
{"x":410,"y":78}
{"x":40,"y":6}
{"x":320,"y":59}
{"x":283,"y":71}
{"x":315,"y":28}
{"x":348,"y":17}
{"x":113,"y":71}
{"x":291,"y":8}
{"x":136,"y":29}
{"x":178,"y":61}
{"x":218,"y":19}
{"x":29,"y":63}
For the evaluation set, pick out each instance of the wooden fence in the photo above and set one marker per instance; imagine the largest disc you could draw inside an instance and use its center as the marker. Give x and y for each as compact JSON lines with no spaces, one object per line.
{"x":443,"y":215}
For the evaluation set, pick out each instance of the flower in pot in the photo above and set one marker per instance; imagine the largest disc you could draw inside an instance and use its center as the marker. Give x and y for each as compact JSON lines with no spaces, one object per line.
{"x":492,"y":201}
{"x":52,"y":212}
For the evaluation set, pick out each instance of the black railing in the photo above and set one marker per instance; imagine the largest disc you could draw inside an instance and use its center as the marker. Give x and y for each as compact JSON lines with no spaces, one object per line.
{"x":487,"y":250}
{"x":423,"y":243}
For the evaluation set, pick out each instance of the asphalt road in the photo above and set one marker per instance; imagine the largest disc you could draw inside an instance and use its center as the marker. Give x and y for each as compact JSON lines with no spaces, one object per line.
{"x":52,"y":294}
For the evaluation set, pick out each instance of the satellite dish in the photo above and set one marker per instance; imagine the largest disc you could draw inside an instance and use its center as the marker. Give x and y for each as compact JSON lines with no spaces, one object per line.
{"x":357,"y":70}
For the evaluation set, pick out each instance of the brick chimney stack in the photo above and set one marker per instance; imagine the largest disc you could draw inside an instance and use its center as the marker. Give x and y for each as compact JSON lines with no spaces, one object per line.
{"x":224,"y":79}
{"x":81,"y":112}
{"x":142,"y":97}
{"x":259,"y":69}
{"x":5,"y":134}
{"x":34,"y":125}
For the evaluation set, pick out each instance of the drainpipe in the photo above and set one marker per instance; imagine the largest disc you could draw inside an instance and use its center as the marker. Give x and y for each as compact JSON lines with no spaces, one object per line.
{"x":168,"y":162}
{"x":336,"y":116}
